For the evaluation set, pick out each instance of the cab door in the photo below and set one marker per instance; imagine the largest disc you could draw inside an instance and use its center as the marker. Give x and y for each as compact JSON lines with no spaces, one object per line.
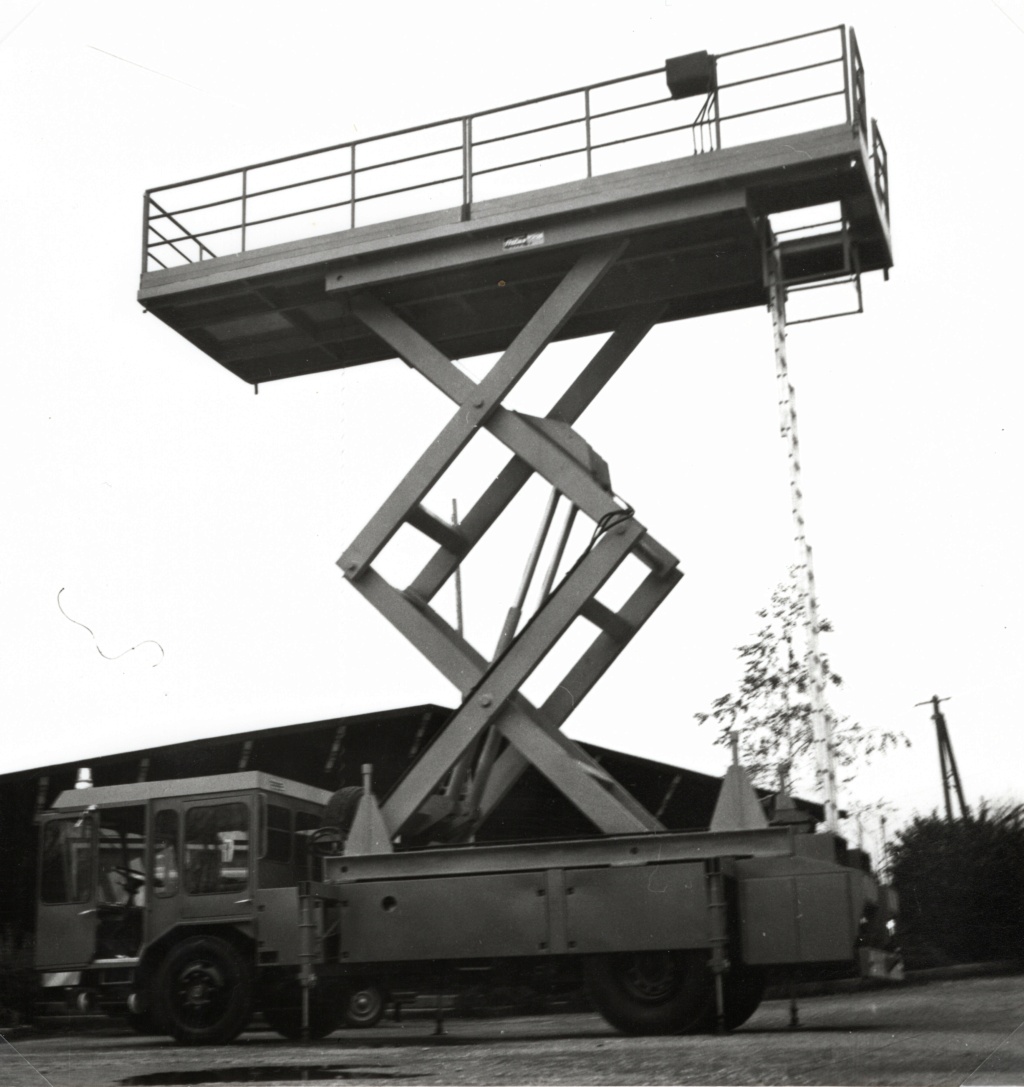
{"x":164,"y":881}
{"x":218,"y":859}
{"x":67,"y":911}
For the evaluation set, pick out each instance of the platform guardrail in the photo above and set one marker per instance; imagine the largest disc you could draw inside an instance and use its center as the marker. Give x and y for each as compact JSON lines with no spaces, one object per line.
{"x":776,"y":88}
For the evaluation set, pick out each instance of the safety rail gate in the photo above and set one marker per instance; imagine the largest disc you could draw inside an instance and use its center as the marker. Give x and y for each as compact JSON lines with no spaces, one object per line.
{"x":616,"y":253}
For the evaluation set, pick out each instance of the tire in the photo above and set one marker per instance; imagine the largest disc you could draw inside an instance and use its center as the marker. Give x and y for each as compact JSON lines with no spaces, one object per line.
{"x":204,"y":991}
{"x":652,"y":992}
{"x":742,"y":989}
{"x":364,"y":1005}
{"x":282,"y":1009}
{"x":143,"y":1023}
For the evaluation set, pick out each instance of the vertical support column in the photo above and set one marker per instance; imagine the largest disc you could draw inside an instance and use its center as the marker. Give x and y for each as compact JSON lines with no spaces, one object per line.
{"x":307,"y":953}
{"x":820,"y":715}
{"x":719,"y":929}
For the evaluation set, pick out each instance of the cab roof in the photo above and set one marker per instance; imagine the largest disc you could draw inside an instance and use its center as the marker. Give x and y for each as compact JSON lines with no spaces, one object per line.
{"x":245,"y":781}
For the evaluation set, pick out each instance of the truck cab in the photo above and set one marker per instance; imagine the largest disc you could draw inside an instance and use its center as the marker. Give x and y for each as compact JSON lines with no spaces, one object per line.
{"x":128,"y":873}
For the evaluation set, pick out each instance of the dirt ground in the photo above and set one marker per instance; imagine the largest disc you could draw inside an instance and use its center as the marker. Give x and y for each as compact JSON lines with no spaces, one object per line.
{"x":965,"y":1032}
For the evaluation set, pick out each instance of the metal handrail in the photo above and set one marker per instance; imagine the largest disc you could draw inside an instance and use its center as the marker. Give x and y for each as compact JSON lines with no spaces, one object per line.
{"x":880,"y":158}
{"x":781,"y":105}
{"x":782,"y":41}
{"x":859,"y":98}
{"x":710,"y":120}
{"x":171,"y":218}
{"x":258,"y":192}
{"x":785,"y":71}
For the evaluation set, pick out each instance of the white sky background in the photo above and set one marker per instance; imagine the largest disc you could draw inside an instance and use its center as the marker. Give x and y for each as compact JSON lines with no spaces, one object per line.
{"x":171,"y":504}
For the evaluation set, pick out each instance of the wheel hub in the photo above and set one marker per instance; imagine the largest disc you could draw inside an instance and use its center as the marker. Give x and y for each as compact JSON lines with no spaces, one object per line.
{"x":200,"y":986}
{"x":651,"y":977}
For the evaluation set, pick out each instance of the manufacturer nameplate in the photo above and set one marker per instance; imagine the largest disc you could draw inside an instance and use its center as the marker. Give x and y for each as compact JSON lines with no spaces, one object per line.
{"x":523,"y":241}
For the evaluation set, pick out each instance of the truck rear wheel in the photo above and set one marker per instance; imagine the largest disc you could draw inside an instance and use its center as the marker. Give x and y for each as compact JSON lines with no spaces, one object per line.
{"x":204,"y":991}
{"x":651,"y":992}
{"x":282,"y":1009}
{"x":742,"y":992}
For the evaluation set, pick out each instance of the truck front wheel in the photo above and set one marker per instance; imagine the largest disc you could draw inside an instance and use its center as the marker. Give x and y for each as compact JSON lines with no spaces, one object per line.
{"x":204,"y":991}
{"x":143,"y":1023}
{"x":651,"y":992}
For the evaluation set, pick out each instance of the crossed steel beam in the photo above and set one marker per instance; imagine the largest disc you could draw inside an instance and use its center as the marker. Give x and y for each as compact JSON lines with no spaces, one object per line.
{"x":491,"y":700}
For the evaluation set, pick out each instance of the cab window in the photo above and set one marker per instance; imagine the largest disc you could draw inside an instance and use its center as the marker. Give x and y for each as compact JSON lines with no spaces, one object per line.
{"x":67,"y":860}
{"x":305,"y":823}
{"x":217,"y":848}
{"x":279,"y":833}
{"x":164,"y":872}
{"x":121,"y":856}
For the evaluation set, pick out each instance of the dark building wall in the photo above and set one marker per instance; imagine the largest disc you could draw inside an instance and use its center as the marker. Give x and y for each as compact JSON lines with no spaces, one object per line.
{"x":19,"y":800}
{"x":330,"y":754}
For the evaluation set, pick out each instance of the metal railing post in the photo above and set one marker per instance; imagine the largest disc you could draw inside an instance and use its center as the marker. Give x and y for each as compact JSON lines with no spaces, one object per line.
{"x":860,"y":101}
{"x":586,"y":116}
{"x":846,"y":74}
{"x":245,"y":191}
{"x":467,"y":165}
{"x":718,"y":118}
{"x":145,"y":232}
{"x":352,"y":192}
{"x":879,"y":154}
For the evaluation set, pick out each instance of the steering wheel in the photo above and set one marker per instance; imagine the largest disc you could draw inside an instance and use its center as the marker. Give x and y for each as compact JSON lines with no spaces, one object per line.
{"x":132,"y":880}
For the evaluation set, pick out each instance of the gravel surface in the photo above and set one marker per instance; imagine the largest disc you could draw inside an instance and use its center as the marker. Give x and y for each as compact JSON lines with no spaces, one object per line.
{"x":964,"y":1032}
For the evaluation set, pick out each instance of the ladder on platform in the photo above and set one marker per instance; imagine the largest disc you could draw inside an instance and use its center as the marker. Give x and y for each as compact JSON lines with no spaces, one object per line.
{"x":821,"y":714}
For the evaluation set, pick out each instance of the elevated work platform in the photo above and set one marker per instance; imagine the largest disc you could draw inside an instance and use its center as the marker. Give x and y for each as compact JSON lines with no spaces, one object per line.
{"x":476,"y":220}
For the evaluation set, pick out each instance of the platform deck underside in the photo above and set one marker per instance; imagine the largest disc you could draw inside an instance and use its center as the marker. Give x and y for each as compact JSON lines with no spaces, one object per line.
{"x":469,"y":278}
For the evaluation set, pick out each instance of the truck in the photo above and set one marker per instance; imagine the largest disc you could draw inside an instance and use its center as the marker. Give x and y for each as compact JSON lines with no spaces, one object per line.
{"x":195,"y":903}
{"x":188,"y":905}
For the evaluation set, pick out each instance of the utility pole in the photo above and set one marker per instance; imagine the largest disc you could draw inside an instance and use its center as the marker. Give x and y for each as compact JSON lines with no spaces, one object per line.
{"x":947,"y":763}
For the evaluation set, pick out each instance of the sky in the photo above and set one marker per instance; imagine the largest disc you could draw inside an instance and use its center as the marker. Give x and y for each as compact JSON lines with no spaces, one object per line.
{"x":151,"y":497}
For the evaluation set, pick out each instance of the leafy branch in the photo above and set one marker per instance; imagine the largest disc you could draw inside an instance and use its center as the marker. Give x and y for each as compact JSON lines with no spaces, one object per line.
{"x":771,"y":711}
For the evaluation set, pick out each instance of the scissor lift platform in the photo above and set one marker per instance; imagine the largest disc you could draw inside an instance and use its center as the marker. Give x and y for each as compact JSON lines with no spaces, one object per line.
{"x":507,"y":262}
{"x":469,"y":276}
